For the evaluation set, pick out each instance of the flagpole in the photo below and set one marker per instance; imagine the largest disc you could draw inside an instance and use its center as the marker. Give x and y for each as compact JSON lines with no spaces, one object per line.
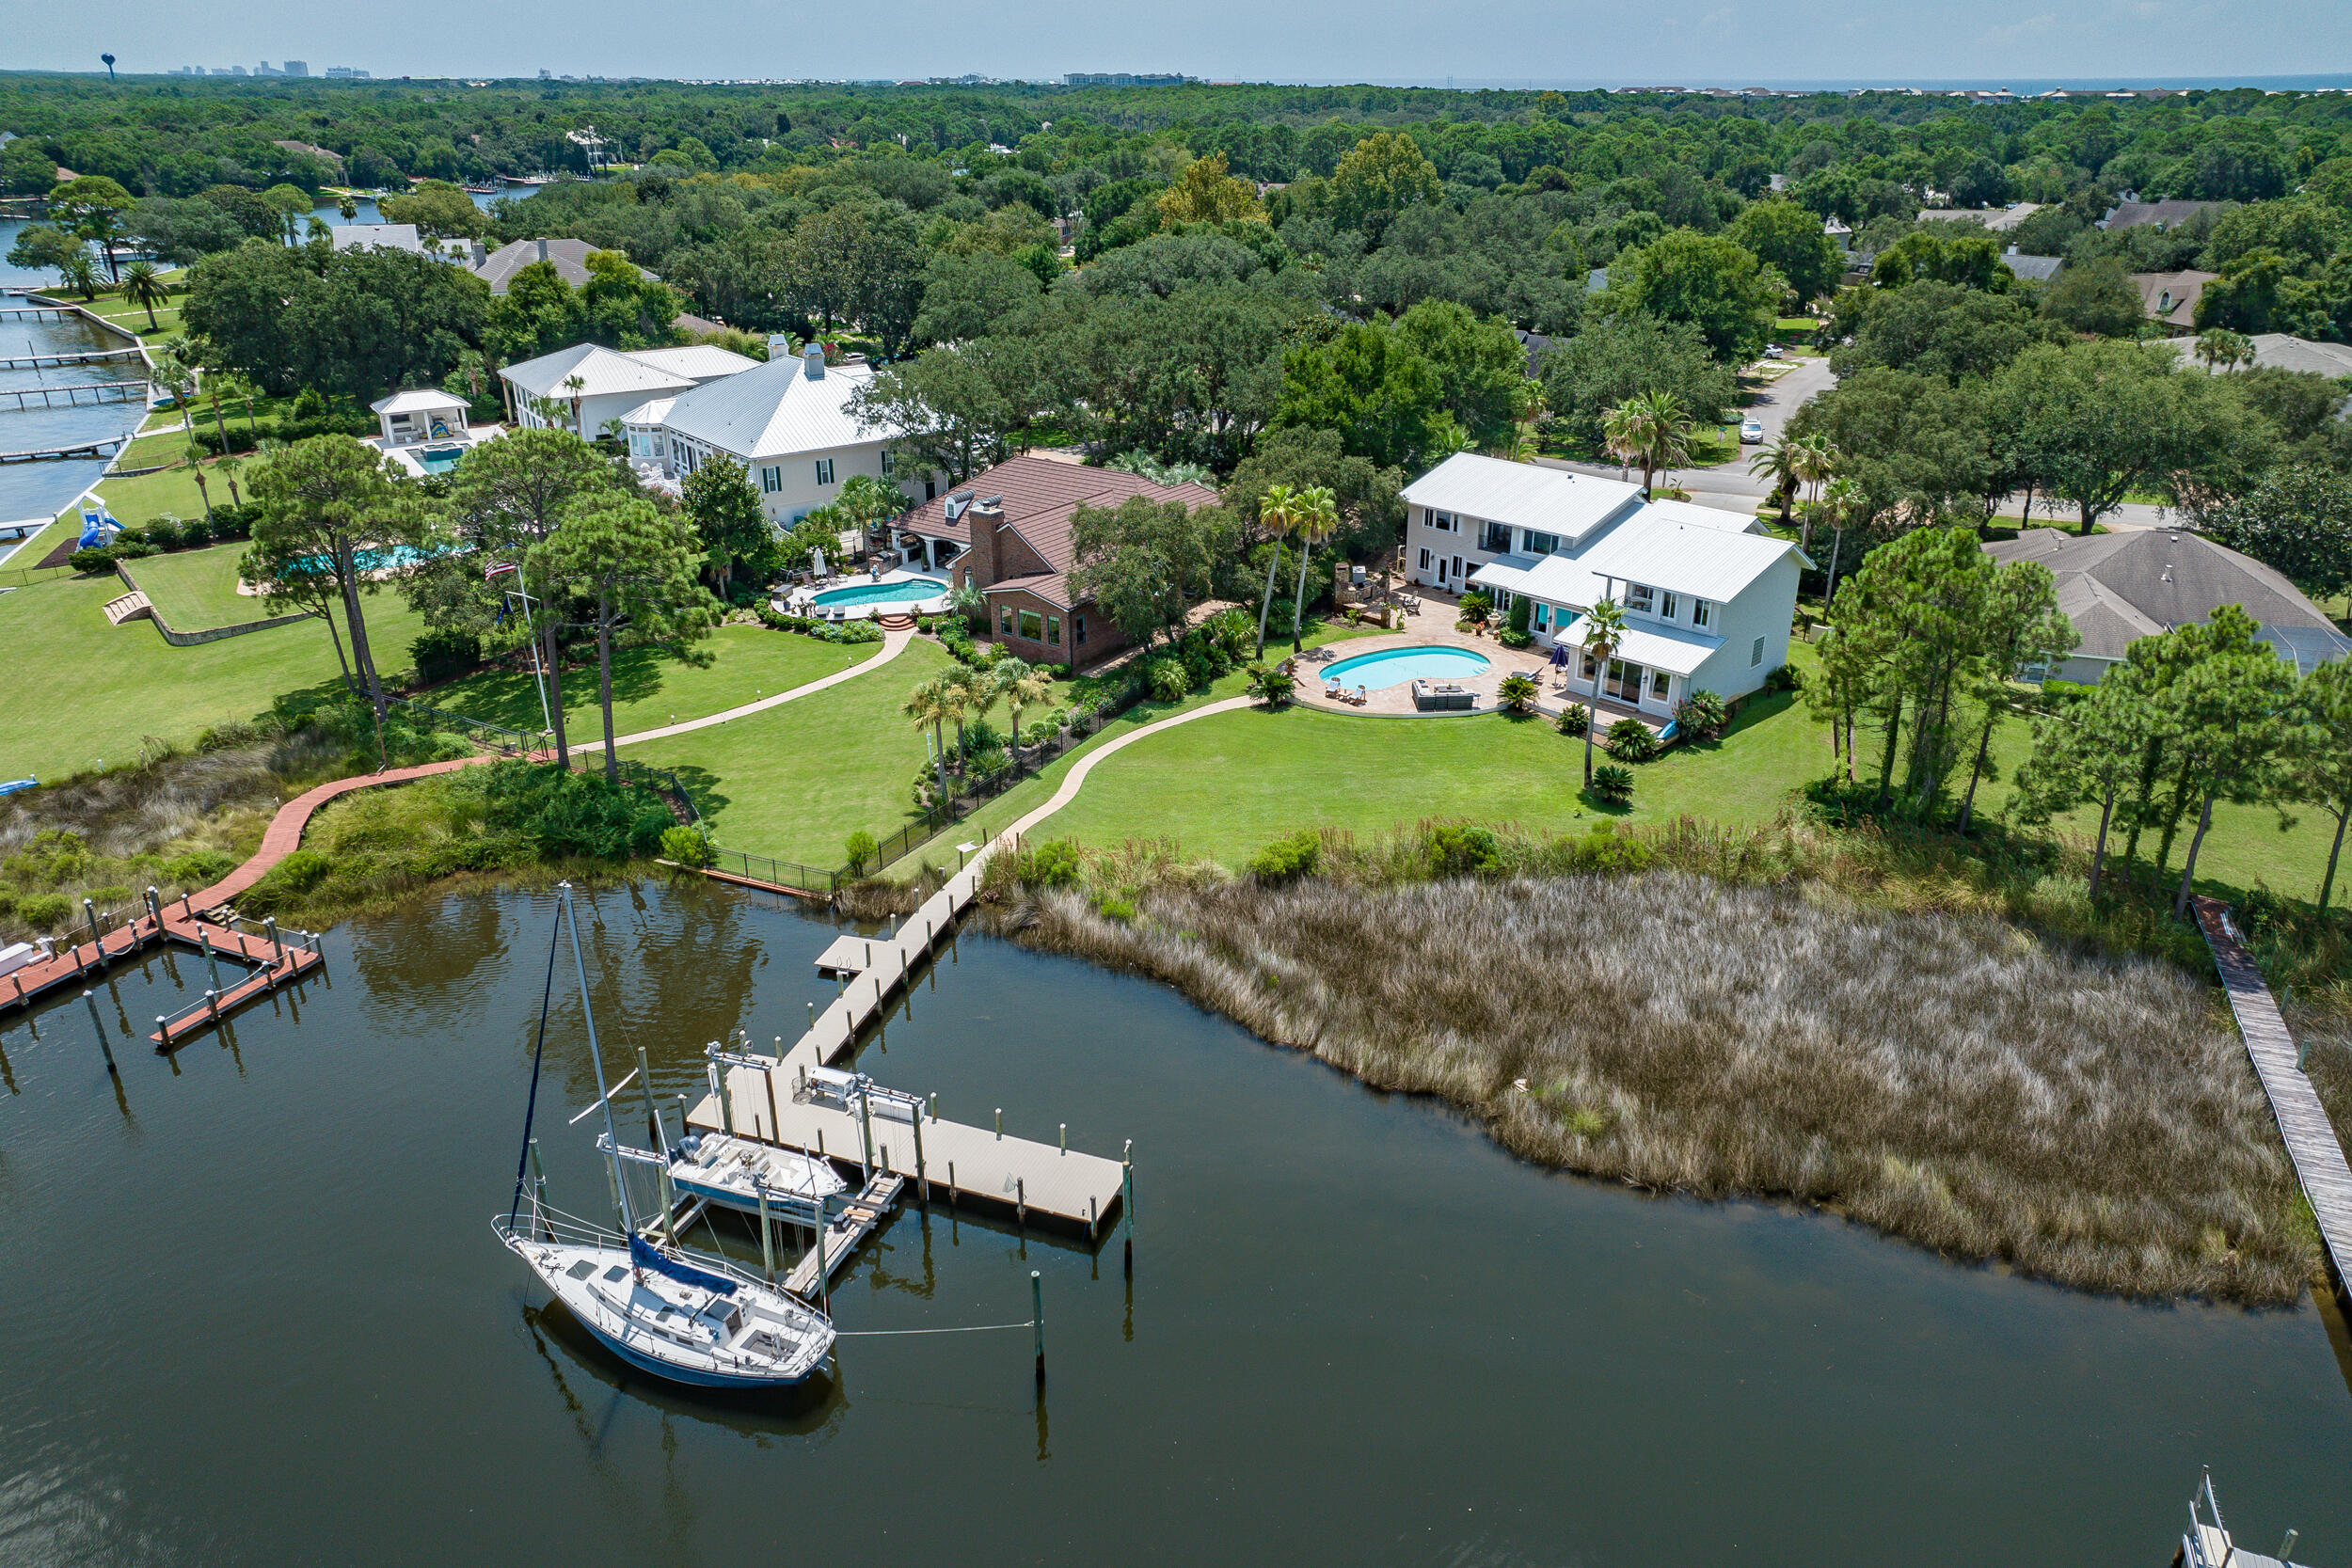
{"x":538,"y":667}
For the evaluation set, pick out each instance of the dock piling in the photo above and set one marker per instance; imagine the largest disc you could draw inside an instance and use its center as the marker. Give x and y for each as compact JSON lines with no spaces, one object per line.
{"x":1065,"y":1137}
{"x":91,"y":998}
{"x":90,"y":912}
{"x":155,"y":907}
{"x":1021,"y":1200}
{"x":212,"y":965}
{"x":1037,"y":1316}
{"x":766,"y":1236}
{"x":1000,"y":1124}
{"x":211,"y":1006}
{"x":276,"y":944}
{"x":922,"y":1177}
{"x":1127,"y":1199}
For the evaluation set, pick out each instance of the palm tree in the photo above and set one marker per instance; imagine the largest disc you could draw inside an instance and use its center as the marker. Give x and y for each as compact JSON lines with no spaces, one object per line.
{"x":2219,"y":345}
{"x":574,"y":385}
{"x":1652,"y":430}
{"x":347,"y":205}
{"x":142,"y":285}
{"x":1316,"y":519}
{"x":963,"y":694}
{"x":1777,"y":461}
{"x":1816,"y":460}
{"x":1604,"y":628}
{"x":195,"y":470}
{"x":923,"y":705}
{"x":1838,"y":501}
{"x":1020,"y":683}
{"x":1277,"y":509}
{"x":76,"y":272}
{"x":228,"y":472}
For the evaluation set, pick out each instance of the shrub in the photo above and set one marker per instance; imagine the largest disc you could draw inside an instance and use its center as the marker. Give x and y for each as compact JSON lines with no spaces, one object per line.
{"x":1269,"y":685}
{"x":1115,"y":909}
{"x":1166,"y":680}
{"x":195,"y":531}
{"x":127,"y":548}
{"x":1783,"y":677}
{"x":200,"y":867}
{"x":858,"y":852}
{"x":1630,"y":740}
{"x":686,"y":846}
{"x":1512,"y":638}
{"x":987,"y":765}
{"x":1459,"y":851}
{"x":1522,"y":608}
{"x":442,"y":656}
{"x":1702,"y":716}
{"x":89,"y":562}
{"x":1475,"y":606}
{"x":1613,"y":784}
{"x":163,"y":533}
{"x":573,"y":813}
{"x":1052,"y":863}
{"x":43,"y":911}
{"x":1575,"y":718}
{"x":1517,"y":691}
{"x":297,"y":874}
{"x":1288,"y":857}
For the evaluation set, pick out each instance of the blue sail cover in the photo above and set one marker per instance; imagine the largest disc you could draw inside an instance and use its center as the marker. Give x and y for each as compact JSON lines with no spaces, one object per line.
{"x":646,"y":1257}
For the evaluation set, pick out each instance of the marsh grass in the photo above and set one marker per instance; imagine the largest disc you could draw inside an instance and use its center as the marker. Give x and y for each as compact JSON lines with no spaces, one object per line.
{"x":1946,"y":1058}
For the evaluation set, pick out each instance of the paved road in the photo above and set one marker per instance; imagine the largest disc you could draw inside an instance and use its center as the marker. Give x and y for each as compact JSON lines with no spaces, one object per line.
{"x":1774,"y":406}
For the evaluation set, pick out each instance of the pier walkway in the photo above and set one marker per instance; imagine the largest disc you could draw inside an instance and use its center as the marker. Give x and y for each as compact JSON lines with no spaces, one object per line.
{"x":267,"y":964}
{"x":2303,"y":1123}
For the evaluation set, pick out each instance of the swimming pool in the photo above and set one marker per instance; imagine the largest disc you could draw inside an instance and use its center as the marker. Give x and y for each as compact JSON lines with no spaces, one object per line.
{"x":365,"y":560}
{"x":1378,"y":671}
{"x":903,"y":591}
{"x":439,"y":460}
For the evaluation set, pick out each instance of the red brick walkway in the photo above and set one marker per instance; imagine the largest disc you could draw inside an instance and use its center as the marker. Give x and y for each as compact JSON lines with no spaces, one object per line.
{"x":285,"y":830}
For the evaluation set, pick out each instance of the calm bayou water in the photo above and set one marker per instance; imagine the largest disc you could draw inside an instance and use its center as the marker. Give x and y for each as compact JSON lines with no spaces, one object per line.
{"x":255,"y":1313}
{"x":44,"y":489}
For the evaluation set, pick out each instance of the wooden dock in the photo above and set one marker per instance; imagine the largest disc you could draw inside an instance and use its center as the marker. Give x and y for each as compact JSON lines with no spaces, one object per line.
{"x":41,"y":361}
{"x":265,"y":967}
{"x":2303,"y":1123}
{"x":860,"y":1220}
{"x":104,"y":448}
{"x":78,"y":394}
{"x":775,"y":1102}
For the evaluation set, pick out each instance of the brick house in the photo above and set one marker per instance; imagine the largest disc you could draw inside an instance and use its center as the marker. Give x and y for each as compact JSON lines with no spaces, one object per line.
{"x":1008,"y":533}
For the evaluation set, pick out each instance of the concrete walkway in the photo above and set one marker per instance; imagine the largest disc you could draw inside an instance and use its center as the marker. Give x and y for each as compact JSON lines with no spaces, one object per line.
{"x":894,"y":643}
{"x":1076,"y":777}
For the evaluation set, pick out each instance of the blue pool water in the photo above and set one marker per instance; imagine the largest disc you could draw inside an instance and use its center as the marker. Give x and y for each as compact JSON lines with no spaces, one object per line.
{"x":366,"y":561}
{"x":439,"y":460}
{"x":905,"y":590}
{"x":1378,"y":671}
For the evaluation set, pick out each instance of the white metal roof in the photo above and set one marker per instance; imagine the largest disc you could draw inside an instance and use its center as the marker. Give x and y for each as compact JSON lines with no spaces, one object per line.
{"x":1700,"y":558}
{"x":1553,"y":578}
{"x":1705,"y":516}
{"x":416,"y":401}
{"x":647,"y":415}
{"x":389,"y":236}
{"x":603,"y":372}
{"x":775,"y":410}
{"x":696,"y":362}
{"x":1666,"y":648}
{"x":1549,"y":500}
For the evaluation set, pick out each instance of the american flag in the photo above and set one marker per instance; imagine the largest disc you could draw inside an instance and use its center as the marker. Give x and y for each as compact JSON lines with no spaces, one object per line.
{"x":489,"y":572}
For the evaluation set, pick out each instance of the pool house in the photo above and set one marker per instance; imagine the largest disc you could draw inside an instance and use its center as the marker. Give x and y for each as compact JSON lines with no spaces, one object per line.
{"x":1708,"y":596}
{"x":425,"y":430}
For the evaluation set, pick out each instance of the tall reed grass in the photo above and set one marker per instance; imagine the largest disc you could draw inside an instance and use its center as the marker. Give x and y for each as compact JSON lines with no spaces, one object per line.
{"x":1807,"y":1020}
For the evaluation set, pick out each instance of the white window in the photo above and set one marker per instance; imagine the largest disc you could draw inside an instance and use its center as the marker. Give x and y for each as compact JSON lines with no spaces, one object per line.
{"x":1658,"y":681}
{"x":1701,"y":613}
{"x":889,"y":462}
{"x":824,"y":470}
{"x":1638,"y":596}
{"x":1444,"y":522}
{"x":1756,"y":655}
{"x":1541,"y":544}
{"x":1543,"y":617}
{"x":1425,"y":561}
{"x":772,"y":479}
{"x":1666,"y":607}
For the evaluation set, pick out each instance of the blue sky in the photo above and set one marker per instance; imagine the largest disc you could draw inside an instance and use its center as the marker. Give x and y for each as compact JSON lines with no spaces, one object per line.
{"x":1314,"y":41}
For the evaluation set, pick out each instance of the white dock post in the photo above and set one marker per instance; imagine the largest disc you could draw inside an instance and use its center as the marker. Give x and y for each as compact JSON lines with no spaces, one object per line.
{"x":812,"y":1015}
{"x":1000,"y":1124}
{"x":1065,"y":1138}
{"x":211,"y":1003}
{"x":90,"y":912}
{"x":866,"y":1131}
{"x":155,"y":907}
{"x":92,"y":997}
{"x":204,"y":935}
{"x":921,"y":1178}
{"x":824,"y":1286}
{"x":1127,"y":1199}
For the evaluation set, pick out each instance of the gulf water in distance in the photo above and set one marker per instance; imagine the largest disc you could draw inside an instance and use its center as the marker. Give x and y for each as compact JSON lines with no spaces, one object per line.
{"x":254,"y":1312}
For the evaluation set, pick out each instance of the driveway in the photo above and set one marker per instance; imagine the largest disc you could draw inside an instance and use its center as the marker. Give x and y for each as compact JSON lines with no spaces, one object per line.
{"x":1774,"y":406}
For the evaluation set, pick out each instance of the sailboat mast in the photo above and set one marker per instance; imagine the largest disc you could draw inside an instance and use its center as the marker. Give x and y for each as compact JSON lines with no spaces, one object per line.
{"x":612,"y":1136}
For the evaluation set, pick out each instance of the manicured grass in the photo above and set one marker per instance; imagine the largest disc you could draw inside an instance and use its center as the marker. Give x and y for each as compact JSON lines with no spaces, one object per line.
{"x":166,"y":446}
{"x":147,"y":497}
{"x":652,"y":688}
{"x":195,"y":589}
{"x":795,"y":780}
{"x":85,"y":691}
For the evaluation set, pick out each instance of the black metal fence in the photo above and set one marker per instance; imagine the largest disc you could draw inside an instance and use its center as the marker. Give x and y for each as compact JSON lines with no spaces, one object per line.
{"x":514,"y":742}
{"x":662,"y":780}
{"x":766,"y":869}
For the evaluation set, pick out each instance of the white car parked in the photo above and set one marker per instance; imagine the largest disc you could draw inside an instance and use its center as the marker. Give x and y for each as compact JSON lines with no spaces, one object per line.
{"x":1751,"y":432}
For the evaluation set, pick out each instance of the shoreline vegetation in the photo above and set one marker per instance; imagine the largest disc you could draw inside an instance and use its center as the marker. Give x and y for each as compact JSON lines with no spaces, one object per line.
{"x":1854,"y":1021}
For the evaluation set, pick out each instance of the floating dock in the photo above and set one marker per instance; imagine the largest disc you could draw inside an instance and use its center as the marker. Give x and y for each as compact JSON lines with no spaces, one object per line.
{"x":779,"y":1100}
{"x":2303,"y":1123}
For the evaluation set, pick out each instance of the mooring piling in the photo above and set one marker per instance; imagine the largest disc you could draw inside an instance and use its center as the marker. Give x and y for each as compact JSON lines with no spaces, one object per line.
{"x":90,"y":912}
{"x":766,"y":1236}
{"x":1127,"y":1199}
{"x":1000,"y":1124}
{"x":212,"y":965}
{"x":276,"y":944}
{"x":1065,"y":1137}
{"x":95,"y":1023}
{"x":1037,"y":1316}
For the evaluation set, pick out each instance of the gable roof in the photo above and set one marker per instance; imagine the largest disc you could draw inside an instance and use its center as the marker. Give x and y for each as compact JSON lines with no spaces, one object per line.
{"x":2131,"y":215}
{"x":698,"y":362}
{"x":377,"y":236}
{"x":569,"y":258}
{"x":1999,"y":219}
{"x":2171,"y":297}
{"x":603,"y":372}
{"x":774,"y":410}
{"x":1040,"y":498}
{"x":1678,"y":555}
{"x":2034,"y":269}
{"x":2120,"y":587}
{"x":416,"y":400}
{"x":1524,"y":495}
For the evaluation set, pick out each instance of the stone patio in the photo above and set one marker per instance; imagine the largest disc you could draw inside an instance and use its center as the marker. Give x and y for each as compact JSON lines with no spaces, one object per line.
{"x":1433,"y":627}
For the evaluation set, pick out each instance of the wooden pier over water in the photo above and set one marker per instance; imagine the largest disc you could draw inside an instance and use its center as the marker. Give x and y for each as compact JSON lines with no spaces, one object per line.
{"x":780,"y":1101}
{"x":2303,"y":1123}
{"x":77,"y":394}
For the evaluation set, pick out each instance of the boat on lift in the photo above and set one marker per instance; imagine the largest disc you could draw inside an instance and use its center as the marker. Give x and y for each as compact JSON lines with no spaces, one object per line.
{"x":695,"y":1319}
{"x":733,"y":1172}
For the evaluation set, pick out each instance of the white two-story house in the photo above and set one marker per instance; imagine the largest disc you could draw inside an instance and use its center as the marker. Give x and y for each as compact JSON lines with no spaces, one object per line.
{"x":1708,"y":596}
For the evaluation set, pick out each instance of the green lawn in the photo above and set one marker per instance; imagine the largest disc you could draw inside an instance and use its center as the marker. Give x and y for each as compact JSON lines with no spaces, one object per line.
{"x":143,"y":499}
{"x":650,"y":687}
{"x":84,"y":691}
{"x":195,"y":589}
{"x":795,"y":780}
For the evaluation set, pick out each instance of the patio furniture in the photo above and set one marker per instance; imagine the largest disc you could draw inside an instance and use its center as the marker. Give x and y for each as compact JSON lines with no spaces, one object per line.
{"x":1442,"y":697}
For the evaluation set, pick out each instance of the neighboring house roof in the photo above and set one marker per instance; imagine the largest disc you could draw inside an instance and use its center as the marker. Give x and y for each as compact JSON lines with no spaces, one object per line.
{"x":2120,"y":587}
{"x":1679,"y":556}
{"x":602,"y":372}
{"x":2285,"y":351}
{"x":1536,"y":344}
{"x":696,"y":327}
{"x":2000,"y":219}
{"x":1549,"y":500}
{"x":569,"y":258}
{"x":1040,"y":498}
{"x":416,"y":401}
{"x":773,"y":409}
{"x":2171,"y":298}
{"x":2169,"y":215}
{"x":385,"y":236}
{"x":1596,"y":280}
{"x":2034,"y":269}
{"x":324,"y":154}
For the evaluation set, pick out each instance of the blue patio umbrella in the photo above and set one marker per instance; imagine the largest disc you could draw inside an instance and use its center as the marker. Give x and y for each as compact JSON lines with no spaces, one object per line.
{"x":1559,"y":655}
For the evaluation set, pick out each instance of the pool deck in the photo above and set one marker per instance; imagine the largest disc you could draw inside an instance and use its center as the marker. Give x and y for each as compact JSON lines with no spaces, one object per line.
{"x":802,"y":601}
{"x":1432,"y":628}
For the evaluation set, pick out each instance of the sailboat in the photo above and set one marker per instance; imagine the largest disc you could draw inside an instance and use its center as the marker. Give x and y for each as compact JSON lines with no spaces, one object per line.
{"x":699,"y":1322}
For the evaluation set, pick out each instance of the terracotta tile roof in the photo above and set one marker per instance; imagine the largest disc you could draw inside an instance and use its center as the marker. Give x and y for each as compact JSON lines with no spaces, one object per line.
{"x":1040,"y":498}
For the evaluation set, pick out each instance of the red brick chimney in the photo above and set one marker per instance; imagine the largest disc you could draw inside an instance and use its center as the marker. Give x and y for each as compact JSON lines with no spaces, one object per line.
{"x":985,"y":516}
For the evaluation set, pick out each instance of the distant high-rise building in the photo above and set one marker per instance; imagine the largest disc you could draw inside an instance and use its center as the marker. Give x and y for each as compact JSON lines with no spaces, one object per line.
{"x":263,"y":70}
{"x":345,"y":73}
{"x":298,"y":68}
{"x":546,"y":75}
{"x":1123,"y":79}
